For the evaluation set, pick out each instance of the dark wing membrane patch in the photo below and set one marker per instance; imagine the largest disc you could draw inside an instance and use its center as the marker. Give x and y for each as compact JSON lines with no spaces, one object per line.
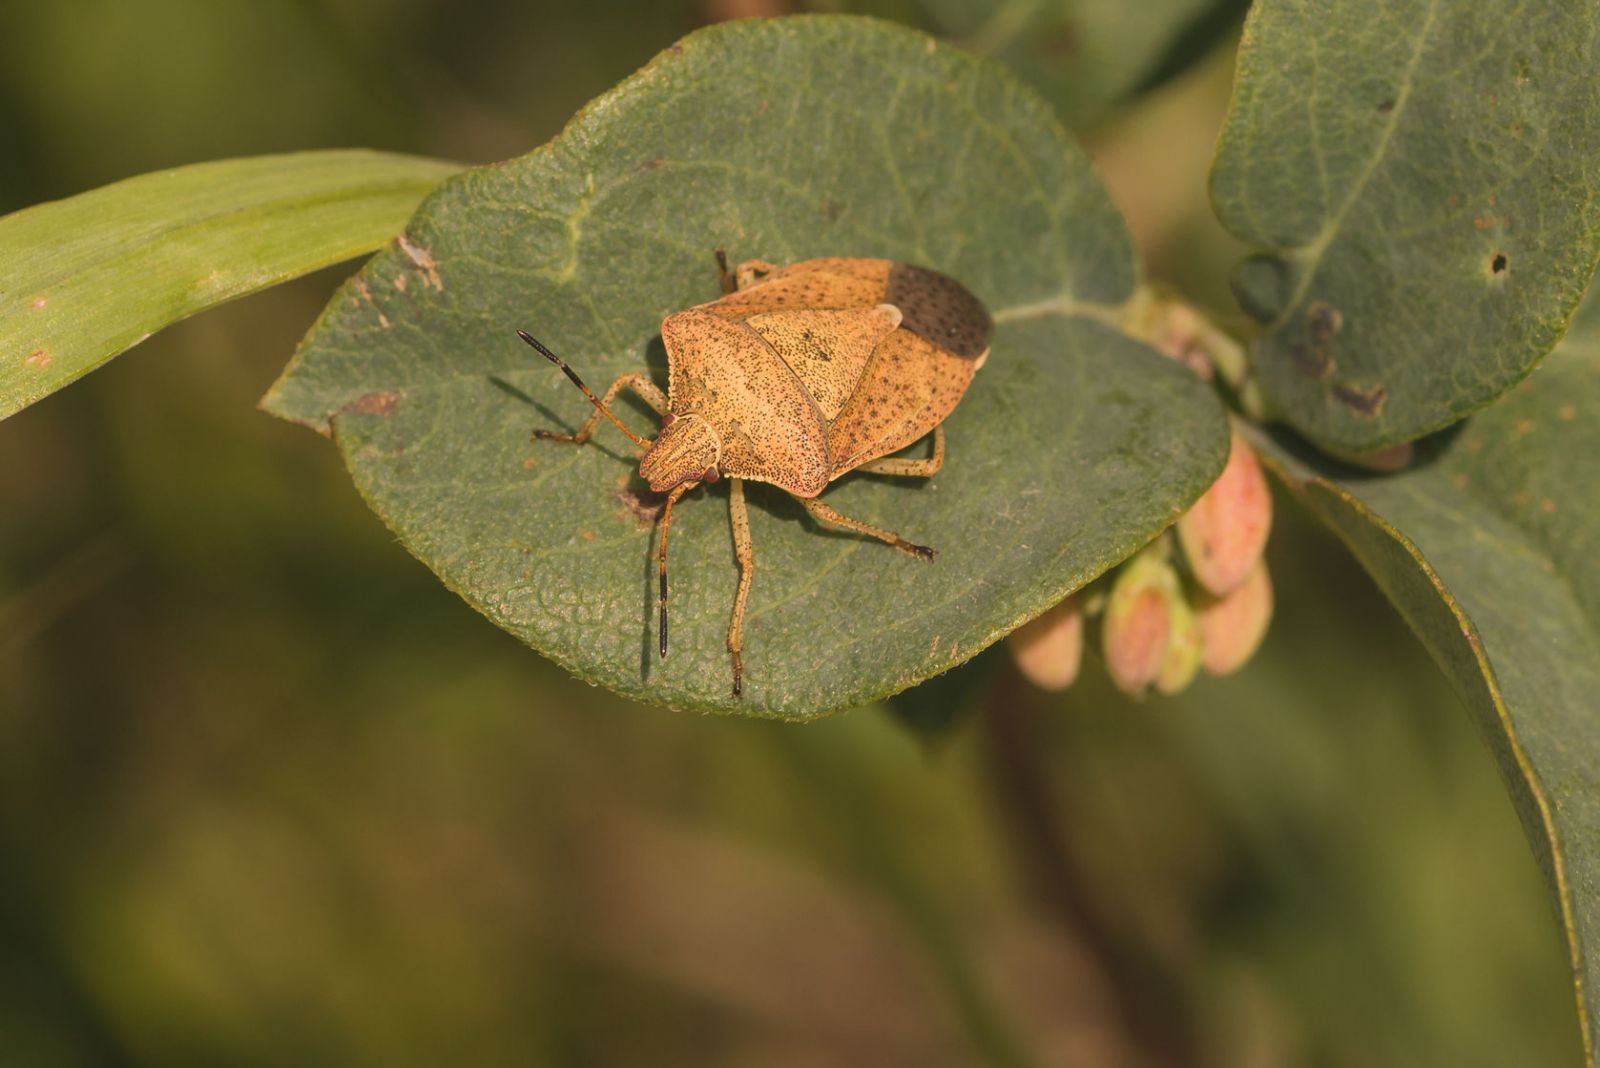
{"x":939,"y":310}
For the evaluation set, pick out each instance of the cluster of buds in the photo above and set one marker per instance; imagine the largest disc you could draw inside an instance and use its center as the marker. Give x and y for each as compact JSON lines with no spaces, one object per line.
{"x":1198,"y":597}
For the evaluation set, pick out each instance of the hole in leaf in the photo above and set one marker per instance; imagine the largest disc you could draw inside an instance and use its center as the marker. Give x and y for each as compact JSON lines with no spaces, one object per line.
{"x":1499,"y":263}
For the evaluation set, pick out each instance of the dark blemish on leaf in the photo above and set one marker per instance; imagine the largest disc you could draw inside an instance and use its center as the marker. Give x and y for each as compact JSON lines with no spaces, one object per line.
{"x":39,"y":358}
{"x":1311,"y":361}
{"x":637,"y":509}
{"x":1325,"y":319}
{"x":378,"y":402}
{"x":653,"y":164}
{"x":1499,"y":263}
{"x":421,"y":259}
{"x":1365,"y":401}
{"x":831,"y":210}
{"x":1516,"y":129}
{"x":1386,"y":105}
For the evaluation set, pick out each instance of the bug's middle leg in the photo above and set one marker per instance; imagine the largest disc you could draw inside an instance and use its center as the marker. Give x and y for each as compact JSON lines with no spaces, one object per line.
{"x":827,"y":516}
{"x":747,"y":570}
{"x":637,"y":381}
{"x":924,"y":468}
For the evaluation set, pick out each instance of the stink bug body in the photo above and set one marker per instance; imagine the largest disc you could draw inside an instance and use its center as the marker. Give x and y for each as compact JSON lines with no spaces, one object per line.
{"x":795,"y":376}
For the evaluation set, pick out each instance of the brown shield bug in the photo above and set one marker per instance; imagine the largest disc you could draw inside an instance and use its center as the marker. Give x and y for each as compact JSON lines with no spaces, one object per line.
{"x":795,"y":376}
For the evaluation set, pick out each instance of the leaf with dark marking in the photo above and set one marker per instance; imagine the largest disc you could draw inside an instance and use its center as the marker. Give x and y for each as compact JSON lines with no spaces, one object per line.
{"x":1430,"y":172}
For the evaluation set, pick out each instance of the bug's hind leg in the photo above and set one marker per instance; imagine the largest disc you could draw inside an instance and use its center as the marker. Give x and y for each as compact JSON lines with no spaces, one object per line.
{"x":827,"y":516}
{"x":637,"y":381}
{"x":747,"y":570}
{"x":891,"y":465}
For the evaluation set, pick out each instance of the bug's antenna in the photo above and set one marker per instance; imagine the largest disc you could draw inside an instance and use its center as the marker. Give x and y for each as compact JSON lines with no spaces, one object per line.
{"x":666,"y":524}
{"x":570,"y":373}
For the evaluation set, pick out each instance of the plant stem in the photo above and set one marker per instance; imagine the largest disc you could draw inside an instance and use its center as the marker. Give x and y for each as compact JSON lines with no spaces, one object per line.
{"x":1148,"y":1003}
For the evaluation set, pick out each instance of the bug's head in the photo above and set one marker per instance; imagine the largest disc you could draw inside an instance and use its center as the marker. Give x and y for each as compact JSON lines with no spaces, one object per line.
{"x":686,"y":450}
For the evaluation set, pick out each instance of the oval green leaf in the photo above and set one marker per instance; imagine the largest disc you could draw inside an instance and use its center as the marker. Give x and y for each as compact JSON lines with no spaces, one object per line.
{"x":1488,"y":547}
{"x":1421,"y":177}
{"x":778,"y":140}
{"x":85,"y":278}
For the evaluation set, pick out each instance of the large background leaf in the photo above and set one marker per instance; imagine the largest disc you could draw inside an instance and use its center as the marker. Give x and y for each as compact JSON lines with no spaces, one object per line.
{"x":1084,"y":56}
{"x":1488,"y":547}
{"x":778,"y":140}
{"x":84,"y":278}
{"x":1423,"y":177}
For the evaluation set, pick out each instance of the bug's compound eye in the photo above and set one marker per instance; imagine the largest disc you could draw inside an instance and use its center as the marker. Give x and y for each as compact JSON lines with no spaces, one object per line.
{"x":667,"y":420}
{"x":711,"y":475}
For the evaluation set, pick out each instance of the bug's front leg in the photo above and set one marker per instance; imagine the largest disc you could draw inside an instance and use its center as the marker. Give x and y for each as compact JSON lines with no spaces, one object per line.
{"x":747,"y":570}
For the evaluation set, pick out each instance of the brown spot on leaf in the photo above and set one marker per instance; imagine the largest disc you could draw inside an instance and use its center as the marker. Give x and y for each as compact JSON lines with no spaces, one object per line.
{"x":586,"y":535}
{"x":40,"y":301}
{"x":1567,"y":413}
{"x":530,"y":463}
{"x":39,"y":358}
{"x":1523,"y":428}
{"x":421,"y":259}
{"x":1547,"y":506}
{"x":1483,"y":222}
{"x":1312,"y":361}
{"x":637,"y":509}
{"x":761,"y":107}
{"x":1459,"y":481}
{"x":653,"y":164}
{"x":378,"y":402}
{"x":1325,"y":319}
{"x":400,"y":282}
{"x":1522,"y":498}
{"x":1365,"y":401}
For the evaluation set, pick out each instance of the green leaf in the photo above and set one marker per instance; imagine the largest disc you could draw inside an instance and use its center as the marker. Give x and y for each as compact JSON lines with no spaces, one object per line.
{"x":1083,"y":56}
{"x":1423,"y":177}
{"x":1490,"y":547}
{"x":778,"y":140}
{"x":84,"y":278}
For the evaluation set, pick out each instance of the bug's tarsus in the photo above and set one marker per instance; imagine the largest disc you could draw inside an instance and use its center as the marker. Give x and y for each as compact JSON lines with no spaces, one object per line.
{"x":921,"y":551}
{"x":738,"y":674}
{"x":552,"y":435}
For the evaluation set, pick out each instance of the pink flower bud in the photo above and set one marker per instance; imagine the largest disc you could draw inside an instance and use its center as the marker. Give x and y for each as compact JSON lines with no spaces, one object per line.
{"x":1223,"y":534}
{"x":1138,"y":622}
{"x":1049,"y":649}
{"x":1232,"y":626}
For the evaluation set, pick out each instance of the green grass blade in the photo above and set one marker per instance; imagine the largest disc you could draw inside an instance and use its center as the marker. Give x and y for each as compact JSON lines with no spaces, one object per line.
{"x":85,"y":278}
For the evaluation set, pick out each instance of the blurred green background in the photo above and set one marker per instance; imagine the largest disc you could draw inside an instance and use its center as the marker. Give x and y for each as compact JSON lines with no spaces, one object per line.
{"x":270,"y":795}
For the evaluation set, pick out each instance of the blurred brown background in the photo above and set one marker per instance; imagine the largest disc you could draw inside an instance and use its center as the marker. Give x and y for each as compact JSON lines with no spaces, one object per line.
{"x":270,"y":795}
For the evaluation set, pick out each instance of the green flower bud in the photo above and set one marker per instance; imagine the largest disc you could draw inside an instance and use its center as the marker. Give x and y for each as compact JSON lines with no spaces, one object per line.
{"x":1182,"y":662}
{"x":1138,"y":626}
{"x":1049,"y":649}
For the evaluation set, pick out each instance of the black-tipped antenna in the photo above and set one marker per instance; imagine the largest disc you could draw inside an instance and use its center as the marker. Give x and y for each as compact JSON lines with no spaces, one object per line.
{"x":570,"y":373}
